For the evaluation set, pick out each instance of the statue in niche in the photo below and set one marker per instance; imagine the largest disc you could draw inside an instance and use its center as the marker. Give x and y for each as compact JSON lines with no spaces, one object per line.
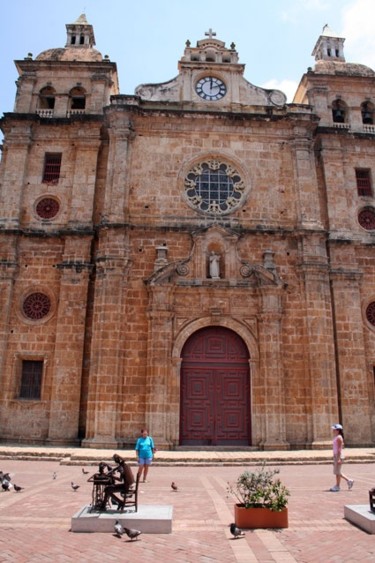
{"x":214,"y":261}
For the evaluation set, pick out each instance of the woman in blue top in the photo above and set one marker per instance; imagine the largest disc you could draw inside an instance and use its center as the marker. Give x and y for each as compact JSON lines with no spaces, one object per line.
{"x":145,"y":449}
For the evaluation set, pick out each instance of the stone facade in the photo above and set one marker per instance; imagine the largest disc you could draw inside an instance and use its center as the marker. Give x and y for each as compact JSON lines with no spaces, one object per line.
{"x":112,"y":209}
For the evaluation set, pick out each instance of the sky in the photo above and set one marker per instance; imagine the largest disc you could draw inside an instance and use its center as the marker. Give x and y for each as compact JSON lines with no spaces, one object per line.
{"x":274,"y":38}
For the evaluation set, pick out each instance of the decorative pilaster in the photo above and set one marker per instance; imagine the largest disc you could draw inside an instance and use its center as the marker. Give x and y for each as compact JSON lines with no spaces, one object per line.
{"x":158,"y":357}
{"x":355,"y":387}
{"x":69,"y":345}
{"x":271,"y":376}
{"x":106,"y":356}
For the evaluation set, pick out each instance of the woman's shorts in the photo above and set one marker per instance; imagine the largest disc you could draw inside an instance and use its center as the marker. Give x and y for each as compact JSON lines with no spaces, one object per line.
{"x":144,"y":460}
{"x":337,"y":466}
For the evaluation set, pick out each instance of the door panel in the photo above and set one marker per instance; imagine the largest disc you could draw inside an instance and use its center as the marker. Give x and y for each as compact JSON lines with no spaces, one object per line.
{"x":215,"y":389}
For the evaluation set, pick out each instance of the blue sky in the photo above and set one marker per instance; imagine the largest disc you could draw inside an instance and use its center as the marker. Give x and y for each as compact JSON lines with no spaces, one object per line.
{"x":274,"y":38}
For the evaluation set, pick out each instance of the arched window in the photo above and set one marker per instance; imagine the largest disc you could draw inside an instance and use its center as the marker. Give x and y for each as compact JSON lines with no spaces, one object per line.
{"x":339,"y":111}
{"x":47,"y":98}
{"x":77,"y":99}
{"x":367,"y":111}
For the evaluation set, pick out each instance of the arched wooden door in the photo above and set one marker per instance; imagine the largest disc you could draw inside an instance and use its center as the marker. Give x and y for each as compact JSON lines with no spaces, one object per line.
{"x":215,"y":389}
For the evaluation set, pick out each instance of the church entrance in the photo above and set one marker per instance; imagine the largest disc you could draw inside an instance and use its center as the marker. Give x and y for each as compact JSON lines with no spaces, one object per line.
{"x":215,"y":389}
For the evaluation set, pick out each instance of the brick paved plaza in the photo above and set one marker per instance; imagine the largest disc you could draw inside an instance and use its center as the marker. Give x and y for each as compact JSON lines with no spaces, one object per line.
{"x":35,"y":523}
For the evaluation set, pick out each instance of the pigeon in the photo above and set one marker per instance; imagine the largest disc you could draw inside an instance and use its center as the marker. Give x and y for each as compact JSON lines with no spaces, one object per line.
{"x":174,"y":486}
{"x":84,"y":471}
{"x":17,"y":488}
{"x":7,"y":477}
{"x":132,"y":533}
{"x":74,"y":486}
{"x":54,"y":475}
{"x":119,"y":530}
{"x":236,"y":532}
{"x":6,"y":485}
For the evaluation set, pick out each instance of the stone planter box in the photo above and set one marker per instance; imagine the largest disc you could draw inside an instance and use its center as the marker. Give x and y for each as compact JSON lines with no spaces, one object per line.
{"x":252,"y":518}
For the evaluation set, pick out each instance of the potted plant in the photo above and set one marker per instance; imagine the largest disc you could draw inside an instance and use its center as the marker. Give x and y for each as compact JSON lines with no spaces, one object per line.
{"x":262,"y":499}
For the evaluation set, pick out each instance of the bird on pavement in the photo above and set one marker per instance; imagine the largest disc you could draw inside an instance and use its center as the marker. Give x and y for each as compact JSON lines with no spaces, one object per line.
{"x":119,"y":530}
{"x":54,"y":475}
{"x":84,"y":471}
{"x":132,"y":533}
{"x":74,"y":486}
{"x":6,"y":485}
{"x":174,"y":486}
{"x":236,"y":532}
{"x":17,"y":488}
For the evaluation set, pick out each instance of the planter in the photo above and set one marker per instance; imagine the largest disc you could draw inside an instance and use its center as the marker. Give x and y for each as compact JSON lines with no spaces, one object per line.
{"x":259,"y":517}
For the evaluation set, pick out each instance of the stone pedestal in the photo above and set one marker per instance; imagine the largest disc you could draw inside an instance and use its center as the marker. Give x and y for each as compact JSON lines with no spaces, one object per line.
{"x":150,"y":519}
{"x":361,"y":516}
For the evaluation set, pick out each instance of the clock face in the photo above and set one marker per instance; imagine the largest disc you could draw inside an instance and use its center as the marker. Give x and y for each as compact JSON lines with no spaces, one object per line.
{"x":211,"y":88}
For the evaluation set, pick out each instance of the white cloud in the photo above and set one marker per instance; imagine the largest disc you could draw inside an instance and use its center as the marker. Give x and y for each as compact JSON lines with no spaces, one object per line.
{"x":358,"y":29}
{"x":289,"y":87}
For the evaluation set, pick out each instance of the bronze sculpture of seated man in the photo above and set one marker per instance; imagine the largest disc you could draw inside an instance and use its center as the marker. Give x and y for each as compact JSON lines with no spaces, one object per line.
{"x":122,"y":479}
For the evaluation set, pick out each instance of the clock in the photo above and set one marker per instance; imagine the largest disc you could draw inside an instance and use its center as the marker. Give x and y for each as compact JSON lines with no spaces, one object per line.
{"x":210,"y":88}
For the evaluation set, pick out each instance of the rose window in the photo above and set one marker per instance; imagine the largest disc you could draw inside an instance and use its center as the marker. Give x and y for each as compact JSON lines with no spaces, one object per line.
{"x":36,"y":306}
{"x":366,"y":218}
{"x":214,"y":187}
{"x":47,"y":208}
{"x":370,"y":313}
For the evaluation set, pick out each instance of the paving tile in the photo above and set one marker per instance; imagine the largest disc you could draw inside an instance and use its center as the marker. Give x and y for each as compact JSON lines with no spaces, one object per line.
{"x":35,"y":523}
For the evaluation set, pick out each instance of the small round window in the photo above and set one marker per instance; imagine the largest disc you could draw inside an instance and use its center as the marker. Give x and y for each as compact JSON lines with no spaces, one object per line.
{"x":47,"y":208}
{"x":366,"y":218}
{"x":370,"y":313}
{"x":36,"y":306}
{"x":214,"y":187}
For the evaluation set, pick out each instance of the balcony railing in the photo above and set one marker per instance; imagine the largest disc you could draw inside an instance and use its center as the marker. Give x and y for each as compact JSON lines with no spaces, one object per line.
{"x":341,"y":125}
{"x":45,"y":112}
{"x":71,"y":112}
{"x":369,"y":128}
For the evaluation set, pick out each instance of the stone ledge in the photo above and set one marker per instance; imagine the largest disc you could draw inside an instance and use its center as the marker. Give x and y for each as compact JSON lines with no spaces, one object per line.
{"x":361,"y":516}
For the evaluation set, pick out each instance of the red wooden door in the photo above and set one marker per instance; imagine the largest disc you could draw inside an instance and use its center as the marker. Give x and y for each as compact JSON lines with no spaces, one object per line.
{"x":215,"y":389}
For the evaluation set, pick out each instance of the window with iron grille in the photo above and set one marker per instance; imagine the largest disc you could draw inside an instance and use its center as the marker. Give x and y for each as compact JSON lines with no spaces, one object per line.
{"x":363,"y":178}
{"x":52,"y":165}
{"x":31,"y":379}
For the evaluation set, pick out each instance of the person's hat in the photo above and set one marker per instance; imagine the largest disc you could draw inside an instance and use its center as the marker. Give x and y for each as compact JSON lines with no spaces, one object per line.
{"x":337,"y":427}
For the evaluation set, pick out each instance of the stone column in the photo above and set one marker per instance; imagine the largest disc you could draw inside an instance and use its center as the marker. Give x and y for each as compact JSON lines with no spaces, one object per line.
{"x":116,"y":194}
{"x":8,"y":272}
{"x":16,"y":154}
{"x":271,"y":376}
{"x":106,"y":361}
{"x":355,"y":387}
{"x":319,"y":347}
{"x":159,"y":364}
{"x":69,"y":344}
{"x":308,"y":203}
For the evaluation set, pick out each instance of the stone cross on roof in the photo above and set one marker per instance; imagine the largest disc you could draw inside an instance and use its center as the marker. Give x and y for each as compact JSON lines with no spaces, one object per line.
{"x":210,"y":33}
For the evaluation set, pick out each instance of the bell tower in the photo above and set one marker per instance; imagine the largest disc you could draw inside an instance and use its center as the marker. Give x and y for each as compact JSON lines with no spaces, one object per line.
{"x":329,"y":47}
{"x":80,"y":33}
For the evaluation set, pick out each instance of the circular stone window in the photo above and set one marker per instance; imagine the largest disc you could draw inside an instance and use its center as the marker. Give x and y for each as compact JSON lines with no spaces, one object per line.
{"x":366,"y":218}
{"x":47,"y":208}
{"x":370,"y":313}
{"x":36,"y":306}
{"x":214,"y":187}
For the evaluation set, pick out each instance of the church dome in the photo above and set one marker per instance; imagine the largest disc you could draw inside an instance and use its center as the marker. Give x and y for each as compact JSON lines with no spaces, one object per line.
{"x":342,"y":68}
{"x":70,"y":54}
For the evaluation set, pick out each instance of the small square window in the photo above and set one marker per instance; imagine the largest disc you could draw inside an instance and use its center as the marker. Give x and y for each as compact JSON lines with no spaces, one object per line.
{"x":364,"y":184}
{"x":31,"y":379}
{"x":52,"y":165}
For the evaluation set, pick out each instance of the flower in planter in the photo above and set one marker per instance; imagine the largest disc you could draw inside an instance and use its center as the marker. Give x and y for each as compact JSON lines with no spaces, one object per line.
{"x":260,"y":489}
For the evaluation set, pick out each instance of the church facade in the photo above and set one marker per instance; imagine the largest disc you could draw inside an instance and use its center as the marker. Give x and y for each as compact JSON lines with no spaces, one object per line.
{"x":197,"y":258}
